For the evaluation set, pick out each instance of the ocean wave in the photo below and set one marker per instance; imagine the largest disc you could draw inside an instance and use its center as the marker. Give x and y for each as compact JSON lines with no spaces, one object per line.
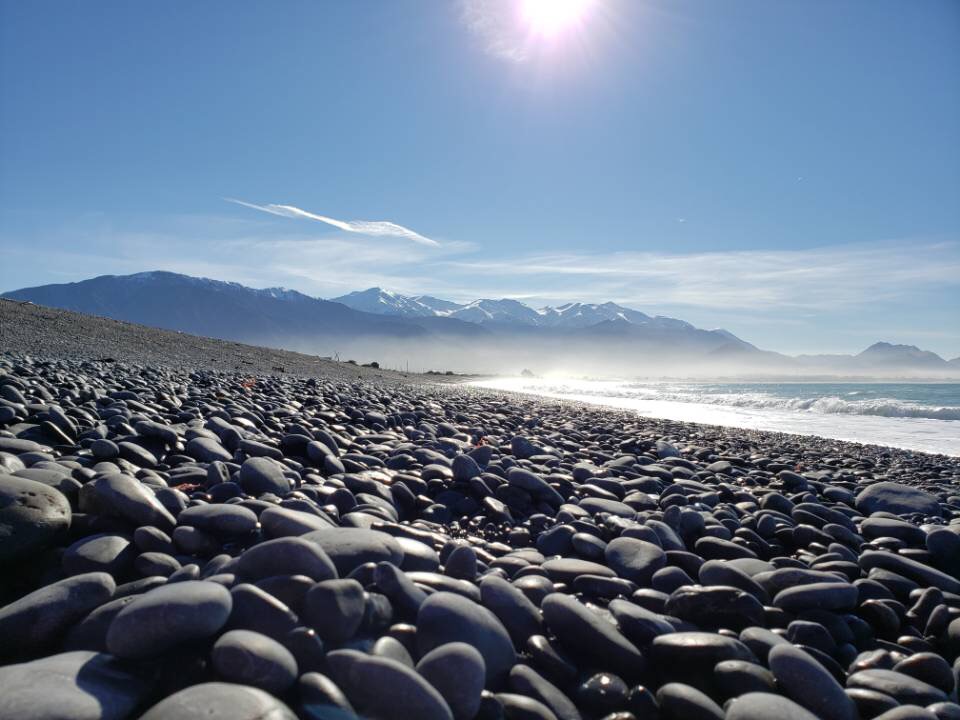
{"x":832,"y":405}
{"x":825,"y":405}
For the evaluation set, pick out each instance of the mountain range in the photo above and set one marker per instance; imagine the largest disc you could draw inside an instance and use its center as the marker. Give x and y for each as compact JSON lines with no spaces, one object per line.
{"x":487,"y":335}
{"x":506,"y":311}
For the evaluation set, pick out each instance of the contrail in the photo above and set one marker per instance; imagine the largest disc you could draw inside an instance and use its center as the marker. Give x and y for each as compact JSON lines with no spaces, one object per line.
{"x":376,"y":228}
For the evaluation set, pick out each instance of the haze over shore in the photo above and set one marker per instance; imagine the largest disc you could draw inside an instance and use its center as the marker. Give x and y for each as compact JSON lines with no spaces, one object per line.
{"x":486,"y":336}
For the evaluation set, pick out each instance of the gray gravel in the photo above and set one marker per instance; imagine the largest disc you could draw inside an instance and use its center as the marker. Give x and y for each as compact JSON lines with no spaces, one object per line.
{"x":179,"y":512}
{"x":45,"y":332}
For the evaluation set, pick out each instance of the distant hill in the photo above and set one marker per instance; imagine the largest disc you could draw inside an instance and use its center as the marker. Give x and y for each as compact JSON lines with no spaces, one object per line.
{"x":485,"y":335}
{"x":884,"y":353}
{"x":274,"y":316}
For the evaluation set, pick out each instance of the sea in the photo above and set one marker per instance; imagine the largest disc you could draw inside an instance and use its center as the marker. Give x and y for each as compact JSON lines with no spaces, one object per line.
{"x":914,"y":416}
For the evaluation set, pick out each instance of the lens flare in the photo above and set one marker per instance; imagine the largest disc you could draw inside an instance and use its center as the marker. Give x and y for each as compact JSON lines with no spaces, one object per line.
{"x":551,"y":17}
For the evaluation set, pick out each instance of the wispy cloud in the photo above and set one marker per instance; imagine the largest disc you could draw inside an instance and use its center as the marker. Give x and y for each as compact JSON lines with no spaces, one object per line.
{"x":495,"y":25}
{"x":373,"y":228}
{"x":802,"y":300}
{"x":809,"y":279}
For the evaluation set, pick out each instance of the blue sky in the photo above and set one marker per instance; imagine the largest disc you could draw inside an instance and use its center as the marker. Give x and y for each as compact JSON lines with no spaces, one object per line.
{"x":787,"y":170}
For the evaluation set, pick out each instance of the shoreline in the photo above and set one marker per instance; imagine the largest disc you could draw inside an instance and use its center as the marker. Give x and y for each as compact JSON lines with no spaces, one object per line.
{"x":55,"y":334}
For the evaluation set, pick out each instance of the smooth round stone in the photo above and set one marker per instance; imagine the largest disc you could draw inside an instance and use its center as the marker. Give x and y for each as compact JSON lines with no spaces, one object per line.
{"x":738,"y":677}
{"x":588,"y":546}
{"x":909,"y":568}
{"x":447,"y":617}
{"x":458,"y":673}
{"x":760,"y":641}
{"x":249,"y":658}
{"x":870,"y":703}
{"x":945,"y":710}
{"x":682,"y":701}
{"x":930,"y":668}
{"x":36,"y":621}
{"x":586,"y":634}
{"x":79,"y":685}
{"x":818,"y":596}
{"x":944,"y":544}
{"x":527,"y":681}
{"x":334,"y":608}
{"x":766,"y":706}
{"x":151,"y":539}
{"x":418,"y":556}
{"x":897,"y":499}
{"x":715,"y":606}
{"x":808,"y":683}
{"x":261,"y":475}
{"x":880,"y":527}
{"x":91,"y":632}
{"x":602,"y":693}
{"x":349,"y":548}
{"x":257,"y":610}
{"x":953,"y":635}
{"x":285,"y":556}
{"x":594,"y":586}
{"x":530,"y":482}
{"x":125,"y":497}
{"x":385,"y":689}
{"x":136,"y":454}
{"x":566,"y":570}
{"x":639,"y":625}
{"x":519,"y":615}
{"x":389,"y":647}
{"x":285,"y":522}
{"x":551,"y":660}
{"x":288,"y":589}
{"x":719,"y":572}
{"x":697,"y":648}
{"x":321,"y":699}
{"x":104,"y":449}
{"x":461,"y":563}
{"x":112,"y":554}
{"x":207,"y":450}
{"x":633,"y":559}
{"x":219,"y":519}
{"x":904,"y":689}
{"x":155,"y":563}
{"x":464,"y":468}
{"x":32,"y":516}
{"x":907,"y":712}
{"x":594,"y":505}
{"x":169,"y":616}
{"x":521,"y":707}
{"x":220,"y":701}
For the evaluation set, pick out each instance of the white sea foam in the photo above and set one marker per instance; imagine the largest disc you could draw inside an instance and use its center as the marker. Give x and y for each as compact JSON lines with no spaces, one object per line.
{"x":843,"y":415}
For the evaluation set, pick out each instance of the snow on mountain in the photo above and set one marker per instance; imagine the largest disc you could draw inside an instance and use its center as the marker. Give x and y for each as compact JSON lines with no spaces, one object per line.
{"x":383,"y":302}
{"x":570,"y":316}
{"x":498,"y":311}
{"x":577,"y":315}
{"x":441,"y":307}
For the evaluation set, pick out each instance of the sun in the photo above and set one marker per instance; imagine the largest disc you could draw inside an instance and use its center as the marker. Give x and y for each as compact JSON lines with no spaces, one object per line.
{"x":551,"y":17}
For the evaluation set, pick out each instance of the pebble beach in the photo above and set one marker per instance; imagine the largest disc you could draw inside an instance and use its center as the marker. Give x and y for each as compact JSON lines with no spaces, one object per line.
{"x":195,"y":528}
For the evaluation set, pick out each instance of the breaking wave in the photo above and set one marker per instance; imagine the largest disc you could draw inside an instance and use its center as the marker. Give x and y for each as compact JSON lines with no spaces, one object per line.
{"x":824,"y":405}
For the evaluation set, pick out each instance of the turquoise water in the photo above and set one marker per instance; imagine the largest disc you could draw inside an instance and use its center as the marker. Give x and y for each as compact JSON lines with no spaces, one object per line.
{"x":939,"y":401}
{"x":918,"y":416}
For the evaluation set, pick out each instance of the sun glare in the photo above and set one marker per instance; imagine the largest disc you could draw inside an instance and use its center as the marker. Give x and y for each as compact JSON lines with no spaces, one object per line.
{"x":550,"y":17}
